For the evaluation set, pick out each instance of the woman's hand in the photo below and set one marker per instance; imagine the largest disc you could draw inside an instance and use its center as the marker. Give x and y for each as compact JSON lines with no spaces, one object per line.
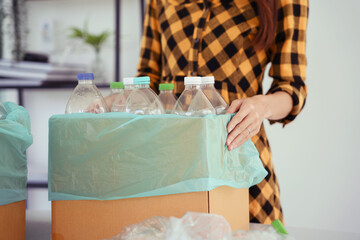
{"x":251,"y":112}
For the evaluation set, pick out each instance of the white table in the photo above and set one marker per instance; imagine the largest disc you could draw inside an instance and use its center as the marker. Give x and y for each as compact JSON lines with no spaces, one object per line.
{"x":38,"y":227}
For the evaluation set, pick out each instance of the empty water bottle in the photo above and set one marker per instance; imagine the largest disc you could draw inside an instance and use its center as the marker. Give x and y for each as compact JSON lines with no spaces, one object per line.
{"x":119,"y":105}
{"x":86,"y":97}
{"x":143,"y":100}
{"x":216,"y":100}
{"x":116,"y":87}
{"x":192,"y":101}
{"x":167,"y":96}
{"x":3,"y":112}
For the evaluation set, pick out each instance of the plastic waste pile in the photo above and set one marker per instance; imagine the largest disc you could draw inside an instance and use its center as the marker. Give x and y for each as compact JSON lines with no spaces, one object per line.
{"x":134,"y":95}
{"x":195,"y":226}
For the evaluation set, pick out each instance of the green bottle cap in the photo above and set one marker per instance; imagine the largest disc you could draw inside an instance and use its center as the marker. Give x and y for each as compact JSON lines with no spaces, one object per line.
{"x":117,"y":85}
{"x":166,"y":86}
{"x":279,"y":227}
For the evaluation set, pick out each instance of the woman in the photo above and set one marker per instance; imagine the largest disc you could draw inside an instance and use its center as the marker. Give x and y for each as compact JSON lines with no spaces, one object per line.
{"x":234,"y":40}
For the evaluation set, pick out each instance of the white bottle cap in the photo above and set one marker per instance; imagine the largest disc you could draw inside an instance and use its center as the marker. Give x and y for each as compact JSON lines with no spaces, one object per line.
{"x":128,"y":81}
{"x":192,"y":80}
{"x":208,"y":80}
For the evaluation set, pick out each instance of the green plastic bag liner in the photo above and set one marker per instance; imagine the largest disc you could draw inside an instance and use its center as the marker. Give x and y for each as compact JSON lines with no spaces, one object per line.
{"x":15,"y":138}
{"x":119,"y":155}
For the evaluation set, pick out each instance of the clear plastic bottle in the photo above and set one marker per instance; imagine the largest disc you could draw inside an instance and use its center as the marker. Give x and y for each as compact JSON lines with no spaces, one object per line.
{"x":216,"y":100}
{"x":192,"y":101}
{"x":119,"y":105}
{"x":143,"y":100}
{"x":167,"y":96}
{"x":116,"y":87}
{"x":86,"y":97}
{"x":3,"y":112}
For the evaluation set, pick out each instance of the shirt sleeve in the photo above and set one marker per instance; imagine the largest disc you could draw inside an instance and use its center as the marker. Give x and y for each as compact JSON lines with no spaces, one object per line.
{"x":150,"y":52}
{"x":288,"y":60}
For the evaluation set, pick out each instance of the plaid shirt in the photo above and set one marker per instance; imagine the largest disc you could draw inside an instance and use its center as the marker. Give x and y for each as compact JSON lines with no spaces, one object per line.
{"x":213,"y":37}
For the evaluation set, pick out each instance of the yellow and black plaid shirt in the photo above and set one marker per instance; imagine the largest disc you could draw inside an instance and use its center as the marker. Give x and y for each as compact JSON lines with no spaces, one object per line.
{"x":213,"y":37}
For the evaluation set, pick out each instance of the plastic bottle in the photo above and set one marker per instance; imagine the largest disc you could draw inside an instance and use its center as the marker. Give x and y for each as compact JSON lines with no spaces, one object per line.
{"x":116,"y":87}
{"x":119,"y":105}
{"x":86,"y":97}
{"x":167,"y":96}
{"x":192,"y":101}
{"x":3,"y":112}
{"x":216,"y":100}
{"x":143,"y":100}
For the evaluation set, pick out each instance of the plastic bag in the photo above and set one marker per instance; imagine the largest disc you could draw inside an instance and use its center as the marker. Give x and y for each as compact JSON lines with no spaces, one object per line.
{"x":15,"y":138}
{"x":119,"y":155}
{"x":195,"y":226}
{"x":192,"y":225}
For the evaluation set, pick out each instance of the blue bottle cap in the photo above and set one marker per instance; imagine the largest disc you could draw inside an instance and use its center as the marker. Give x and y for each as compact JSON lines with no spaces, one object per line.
{"x":142,"y":80}
{"x":85,"y":76}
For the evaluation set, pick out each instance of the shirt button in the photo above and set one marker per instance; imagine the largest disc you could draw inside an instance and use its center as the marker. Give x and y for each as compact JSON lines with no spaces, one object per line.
{"x":192,"y":73}
{"x":197,"y":40}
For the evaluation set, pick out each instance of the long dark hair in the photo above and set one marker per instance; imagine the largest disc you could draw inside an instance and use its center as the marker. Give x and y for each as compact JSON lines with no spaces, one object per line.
{"x":267,"y":12}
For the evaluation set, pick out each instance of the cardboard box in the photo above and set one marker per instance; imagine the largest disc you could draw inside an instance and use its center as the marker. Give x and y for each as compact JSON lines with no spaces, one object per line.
{"x":12,"y":221}
{"x":92,"y":219}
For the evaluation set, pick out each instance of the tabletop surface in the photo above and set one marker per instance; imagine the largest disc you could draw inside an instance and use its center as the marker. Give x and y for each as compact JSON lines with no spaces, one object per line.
{"x":38,"y":226}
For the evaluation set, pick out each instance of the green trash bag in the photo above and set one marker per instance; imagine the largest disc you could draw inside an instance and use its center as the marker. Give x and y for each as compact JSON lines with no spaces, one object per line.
{"x":15,"y":138}
{"x":119,"y":155}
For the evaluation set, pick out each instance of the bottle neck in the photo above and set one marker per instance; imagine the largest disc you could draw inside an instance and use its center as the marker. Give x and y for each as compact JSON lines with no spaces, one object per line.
{"x":166,"y":91}
{"x":116,"y":90}
{"x":86,"y":82}
{"x":129,"y":86}
{"x":142,"y":86}
{"x":207,"y":85}
{"x":192,"y":86}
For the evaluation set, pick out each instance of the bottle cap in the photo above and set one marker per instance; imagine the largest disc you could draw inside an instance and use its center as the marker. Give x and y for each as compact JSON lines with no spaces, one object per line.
{"x":142,"y":80}
{"x":208,"y":80}
{"x":128,"y":81}
{"x":85,"y":76}
{"x":117,"y":85}
{"x":166,"y":86}
{"x":192,"y":80}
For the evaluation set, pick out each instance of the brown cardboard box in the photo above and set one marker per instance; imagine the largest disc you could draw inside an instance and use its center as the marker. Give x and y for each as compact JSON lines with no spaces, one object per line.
{"x":92,"y":219}
{"x":12,"y":221}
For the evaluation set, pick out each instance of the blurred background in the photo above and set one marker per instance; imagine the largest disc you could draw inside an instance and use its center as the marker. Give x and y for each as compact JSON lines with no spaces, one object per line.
{"x":315,"y":157}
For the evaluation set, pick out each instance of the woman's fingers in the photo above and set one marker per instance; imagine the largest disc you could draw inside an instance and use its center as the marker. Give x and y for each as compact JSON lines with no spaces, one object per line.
{"x":235,"y":106}
{"x":242,"y":113}
{"x":238,"y":129}
{"x":244,"y":136}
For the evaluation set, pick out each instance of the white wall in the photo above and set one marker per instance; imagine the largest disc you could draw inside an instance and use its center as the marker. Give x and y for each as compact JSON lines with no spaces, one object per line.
{"x":316,"y":156}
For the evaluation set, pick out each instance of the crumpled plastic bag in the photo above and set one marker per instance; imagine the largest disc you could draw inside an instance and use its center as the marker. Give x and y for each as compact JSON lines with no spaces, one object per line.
{"x":15,"y":138}
{"x":195,"y":226}
{"x":192,"y":226}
